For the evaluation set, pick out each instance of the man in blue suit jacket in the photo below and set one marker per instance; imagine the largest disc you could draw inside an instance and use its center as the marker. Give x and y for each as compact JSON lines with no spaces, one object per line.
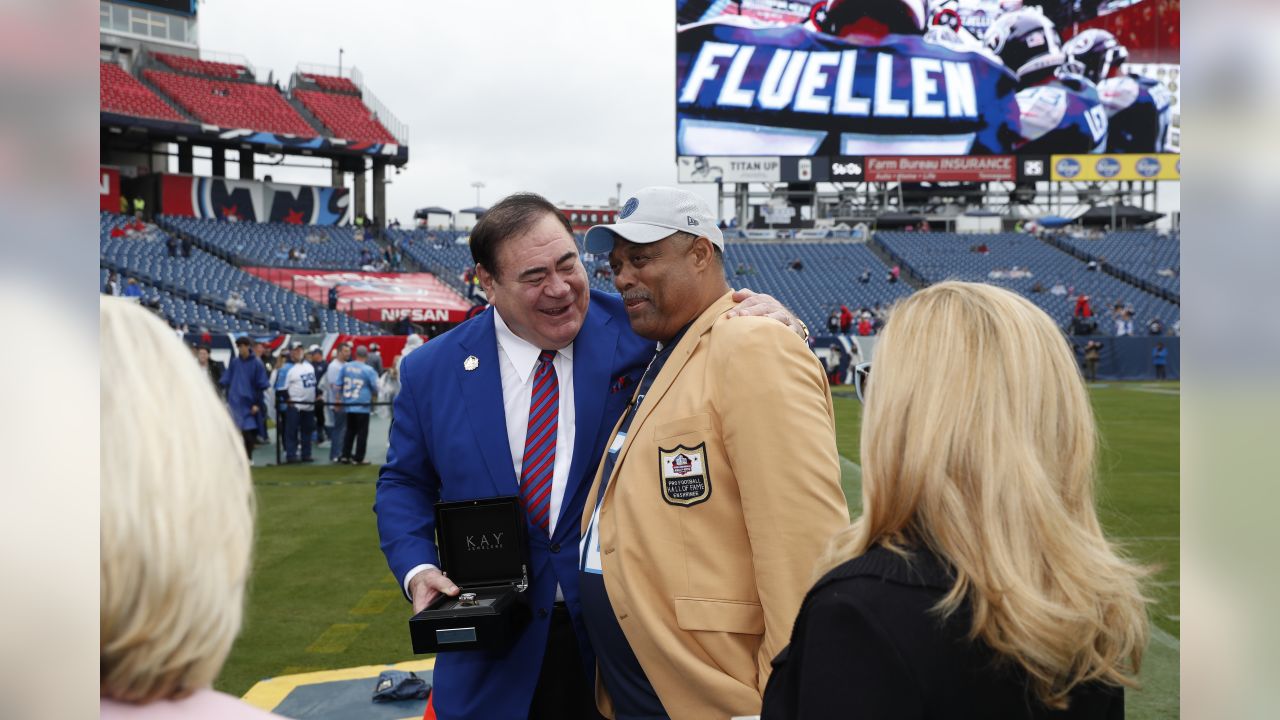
{"x":459,"y":426}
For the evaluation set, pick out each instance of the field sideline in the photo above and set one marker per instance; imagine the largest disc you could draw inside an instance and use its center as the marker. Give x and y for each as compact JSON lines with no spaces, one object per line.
{"x":321,"y":596}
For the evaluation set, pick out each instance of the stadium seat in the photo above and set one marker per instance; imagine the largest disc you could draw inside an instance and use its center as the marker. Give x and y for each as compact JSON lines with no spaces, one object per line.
{"x":232,"y":104}
{"x":120,"y":92}
{"x":346,"y":116}
{"x":332,"y":83}
{"x":209,"y":68}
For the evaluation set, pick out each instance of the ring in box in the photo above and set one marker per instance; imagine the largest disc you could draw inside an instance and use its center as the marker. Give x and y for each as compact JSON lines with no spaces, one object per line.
{"x":482,"y":548}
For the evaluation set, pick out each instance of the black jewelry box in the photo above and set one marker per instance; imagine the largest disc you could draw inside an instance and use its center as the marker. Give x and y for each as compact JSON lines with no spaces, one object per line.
{"x":482,"y":548}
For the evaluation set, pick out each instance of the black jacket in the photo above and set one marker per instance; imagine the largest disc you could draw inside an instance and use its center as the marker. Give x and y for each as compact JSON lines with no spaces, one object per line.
{"x":867,"y":645}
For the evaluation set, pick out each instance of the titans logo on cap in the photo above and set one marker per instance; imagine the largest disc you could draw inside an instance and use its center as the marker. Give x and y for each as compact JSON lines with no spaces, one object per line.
{"x":629,"y":208}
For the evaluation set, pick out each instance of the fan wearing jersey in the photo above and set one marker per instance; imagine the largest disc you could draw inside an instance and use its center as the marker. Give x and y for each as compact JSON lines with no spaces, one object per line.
{"x":1060,"y":111}
{"x":859,"y":77}
{"x":1139,"y":108}
{"x":359,"y":388}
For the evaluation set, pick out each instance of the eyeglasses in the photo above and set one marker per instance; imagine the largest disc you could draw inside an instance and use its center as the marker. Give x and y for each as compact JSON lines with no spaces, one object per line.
{"x":861,"y":374}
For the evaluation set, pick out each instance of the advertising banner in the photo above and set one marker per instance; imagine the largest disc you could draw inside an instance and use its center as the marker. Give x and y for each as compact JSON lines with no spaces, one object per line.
{"x":935,"y":77}
{"x":1107,"y":168}
{"x":376,"y":297}
{"x":941,"y":169}
{"x":108,"y":189}
{"x":729,"y":169}
{"x":252,"y":200}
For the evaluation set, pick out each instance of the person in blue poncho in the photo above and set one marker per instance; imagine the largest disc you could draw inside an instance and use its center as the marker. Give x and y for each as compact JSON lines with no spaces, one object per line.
{"x":245,"y":379}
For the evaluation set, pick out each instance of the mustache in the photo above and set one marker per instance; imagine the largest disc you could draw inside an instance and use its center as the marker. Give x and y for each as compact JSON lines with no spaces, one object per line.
{"x":636,"y":295}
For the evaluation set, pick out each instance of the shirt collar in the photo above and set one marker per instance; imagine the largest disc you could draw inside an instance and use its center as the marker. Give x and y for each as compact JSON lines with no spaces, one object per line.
{"x":522,"y":353}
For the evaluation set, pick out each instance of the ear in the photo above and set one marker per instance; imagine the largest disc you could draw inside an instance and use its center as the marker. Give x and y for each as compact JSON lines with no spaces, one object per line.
{"x":704,"y":253}
{"x":487,"y":279}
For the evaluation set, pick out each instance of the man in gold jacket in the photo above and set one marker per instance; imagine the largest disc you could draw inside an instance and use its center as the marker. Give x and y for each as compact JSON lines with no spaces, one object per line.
{"x":719,"y":490}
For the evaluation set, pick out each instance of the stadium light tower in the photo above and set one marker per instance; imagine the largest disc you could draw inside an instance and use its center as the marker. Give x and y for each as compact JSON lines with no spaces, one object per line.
{"x":477,"y":185}
{"x":339,"y":62}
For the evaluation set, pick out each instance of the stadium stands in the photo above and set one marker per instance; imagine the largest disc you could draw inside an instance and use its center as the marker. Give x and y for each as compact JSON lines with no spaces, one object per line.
{"x":940,"y":256}
{"x":829,"y":277}
{"x":209,"y":68}
{"x":332,"y":83}
{"x":346,"y":116}
{"x":120,"y":92}
{"x":180,"y":310}
{"x":268,"y":244}
{"x":437,"y":252}
{"x":232,"y":104}
{"x":1143,"y":254}
{"x":207,"y":280}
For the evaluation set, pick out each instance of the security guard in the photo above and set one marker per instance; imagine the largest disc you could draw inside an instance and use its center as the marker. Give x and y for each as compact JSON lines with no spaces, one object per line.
{"x":719,"y":490}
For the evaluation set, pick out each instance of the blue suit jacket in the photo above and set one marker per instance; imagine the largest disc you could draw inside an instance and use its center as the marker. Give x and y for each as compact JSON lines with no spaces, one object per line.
{"x":449,"y":442}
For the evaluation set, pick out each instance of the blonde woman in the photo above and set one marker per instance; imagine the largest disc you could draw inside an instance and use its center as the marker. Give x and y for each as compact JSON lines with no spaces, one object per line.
{"x":977,"y":583}
{"x":177,"y":525}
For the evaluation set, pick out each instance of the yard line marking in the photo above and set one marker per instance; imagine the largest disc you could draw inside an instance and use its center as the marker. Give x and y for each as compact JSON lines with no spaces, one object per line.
{"x":375,"y":602}
{"x":1165,"y":639}
{"x":336,"y":638}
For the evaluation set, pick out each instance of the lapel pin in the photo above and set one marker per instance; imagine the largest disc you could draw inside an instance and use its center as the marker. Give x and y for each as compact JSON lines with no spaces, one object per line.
{"x":471,"y":363}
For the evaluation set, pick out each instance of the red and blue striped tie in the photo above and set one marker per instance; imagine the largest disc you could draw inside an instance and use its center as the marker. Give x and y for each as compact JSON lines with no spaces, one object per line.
{"x":540,"y":443}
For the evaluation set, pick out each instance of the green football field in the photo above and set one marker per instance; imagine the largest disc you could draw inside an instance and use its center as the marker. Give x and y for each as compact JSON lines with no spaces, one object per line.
{"x":322,"y":598}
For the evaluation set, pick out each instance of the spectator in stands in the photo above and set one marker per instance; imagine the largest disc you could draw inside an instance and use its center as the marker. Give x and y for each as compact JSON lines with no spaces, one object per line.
{"x":113,"y":284}
{"x":833,"y":321}
{"x":124,"y":205}
{"x":1124,"y":322}
{"x":403,"y":326}
{"x":139,"y":207}
{"x":176,"y":529}
{"x":865,"y":277}
{"x":333,"y":297}
{"x":171,"y":243}
{"x":1155,"y":327}
{"x":1058,"y":289}
{"x":211,"y":367}
{"x":333,"y":397}
{"x":936,"y":602}
{"x":300,"y":387}
{"x":1091,"y":266}
{"x":796,"y":265}
{"x":894,"y":273}
{"x":282,"y":253}
{"x":864,"y":325}
{"x":1160,"y":360}
{"x":1082,"y":310}
{"x":359,"y":390}
{"x":846,"y":319}
{"x":244,"y":381}
{"x":1037,"y":287}
{"x":235,"y":303}
{"x":186,"y":246}
{"x":1092,"y":354}
{"x":132,"y":289}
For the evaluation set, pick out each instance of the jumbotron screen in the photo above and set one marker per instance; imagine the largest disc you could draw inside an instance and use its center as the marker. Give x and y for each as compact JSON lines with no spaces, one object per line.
{"x":786,"y":78}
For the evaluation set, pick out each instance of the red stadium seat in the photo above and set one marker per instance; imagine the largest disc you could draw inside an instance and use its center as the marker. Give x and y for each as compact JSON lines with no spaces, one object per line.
{"x":204,"y":67}
{"x":333,"y":84}
{"x":232,"y":104}
{"x":120,"y":92}
{"x":346,"y":116}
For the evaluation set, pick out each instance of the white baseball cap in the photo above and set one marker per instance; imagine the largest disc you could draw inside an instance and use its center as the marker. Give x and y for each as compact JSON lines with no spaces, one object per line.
{"x":654,"y":213}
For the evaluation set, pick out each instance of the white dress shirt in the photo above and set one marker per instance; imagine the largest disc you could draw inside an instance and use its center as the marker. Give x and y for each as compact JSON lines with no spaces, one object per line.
{"x":517,"y":361}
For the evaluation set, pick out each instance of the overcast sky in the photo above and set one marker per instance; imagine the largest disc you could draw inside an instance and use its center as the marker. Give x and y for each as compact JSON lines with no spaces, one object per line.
{"x":562,"y":98}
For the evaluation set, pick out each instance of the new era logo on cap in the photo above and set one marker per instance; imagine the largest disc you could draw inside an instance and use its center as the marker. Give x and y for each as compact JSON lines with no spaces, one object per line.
{"x":653,"y":214}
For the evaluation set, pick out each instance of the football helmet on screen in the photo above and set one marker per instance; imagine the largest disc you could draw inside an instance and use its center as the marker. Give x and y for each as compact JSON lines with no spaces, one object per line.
{"x":1098,"y":52}
{"x":904,"y":17}
{"x":1027,"y":43}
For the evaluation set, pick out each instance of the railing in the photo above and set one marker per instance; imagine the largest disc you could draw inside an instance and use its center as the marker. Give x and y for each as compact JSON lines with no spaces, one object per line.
{"x":393,"y":125}
{"x":231,"y":59}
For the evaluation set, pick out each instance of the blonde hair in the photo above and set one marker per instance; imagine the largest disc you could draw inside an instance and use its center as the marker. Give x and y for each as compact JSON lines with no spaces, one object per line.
{"x":177,"y":514}
{"x":979,"y":443}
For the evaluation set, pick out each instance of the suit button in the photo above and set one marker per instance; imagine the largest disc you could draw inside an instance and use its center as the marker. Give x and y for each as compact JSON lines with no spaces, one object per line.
{"x":542,"y":612}
{"x":555,"y":547}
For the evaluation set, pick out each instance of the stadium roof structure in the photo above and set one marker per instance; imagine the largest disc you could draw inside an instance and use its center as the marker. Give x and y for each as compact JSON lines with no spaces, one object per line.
{"x":477,"y":211}
{"x":432,"y":210}
{"x":1118,"y":214}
